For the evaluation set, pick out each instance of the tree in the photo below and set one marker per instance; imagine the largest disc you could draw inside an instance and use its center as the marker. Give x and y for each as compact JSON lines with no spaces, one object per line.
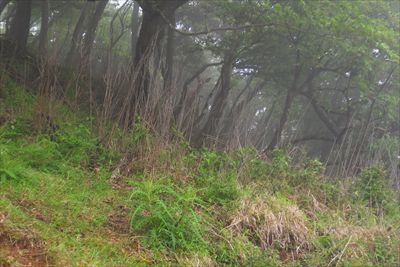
{"x":90,"y":32}
{"x":73,"y":53}
{"x":44,"y":26}
{"x":135,"y":24}
{"x":3,"y":4}
{"x":157,"y":16}
{"x":20,"y":25}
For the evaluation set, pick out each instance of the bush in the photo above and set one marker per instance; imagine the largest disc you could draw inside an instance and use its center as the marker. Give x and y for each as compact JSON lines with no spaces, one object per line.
{"x":373,"y":189}
{"x":9,"y":169}
{"x":215,"y":176}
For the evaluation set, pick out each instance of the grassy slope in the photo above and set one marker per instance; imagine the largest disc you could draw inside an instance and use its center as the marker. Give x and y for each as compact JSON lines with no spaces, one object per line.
{"x":59,"y":206}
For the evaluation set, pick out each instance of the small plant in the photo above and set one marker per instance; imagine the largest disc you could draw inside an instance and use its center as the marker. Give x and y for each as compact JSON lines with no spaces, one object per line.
{"x":9,"y":169}
{"x":372,"y":188}
{"x":140,"y":133}
{"x":168,"y":216}
{"x":280,"y":162}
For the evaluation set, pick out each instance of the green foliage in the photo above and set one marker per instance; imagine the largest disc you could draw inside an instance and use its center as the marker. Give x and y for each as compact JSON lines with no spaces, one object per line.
{"x":68,"y":204}
{"x":14,"y":129}
{"x":242,"y":252}
{"x":140,"y":133}
{"x":372,"y":188}
{"x":9,"y":169}
{"x":167,"y":215}
{"x":75,"y":142}
{"x":215,"y":176}
{"x":280,"y":162}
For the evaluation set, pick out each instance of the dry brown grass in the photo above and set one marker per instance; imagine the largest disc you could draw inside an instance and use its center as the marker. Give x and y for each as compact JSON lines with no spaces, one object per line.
{"x":197,"y":261}
{"x":267,"y":222}
{"x":359,"y":233}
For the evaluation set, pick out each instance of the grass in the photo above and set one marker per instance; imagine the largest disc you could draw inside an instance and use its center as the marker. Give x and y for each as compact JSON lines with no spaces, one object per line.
{"x":171,"y":205}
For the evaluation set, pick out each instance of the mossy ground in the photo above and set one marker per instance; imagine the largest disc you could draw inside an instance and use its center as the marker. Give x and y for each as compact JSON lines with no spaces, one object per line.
{"x":69,"y":200}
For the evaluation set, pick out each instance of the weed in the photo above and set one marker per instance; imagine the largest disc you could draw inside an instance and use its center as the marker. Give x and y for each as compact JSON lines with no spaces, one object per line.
{"x":168,"y":216}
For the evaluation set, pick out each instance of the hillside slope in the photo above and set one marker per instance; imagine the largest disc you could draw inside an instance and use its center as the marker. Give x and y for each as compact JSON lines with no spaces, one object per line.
{"x":66,"y":199}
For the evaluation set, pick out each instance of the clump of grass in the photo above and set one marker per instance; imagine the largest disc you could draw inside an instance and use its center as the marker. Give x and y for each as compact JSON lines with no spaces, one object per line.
{"x":270,"y":221}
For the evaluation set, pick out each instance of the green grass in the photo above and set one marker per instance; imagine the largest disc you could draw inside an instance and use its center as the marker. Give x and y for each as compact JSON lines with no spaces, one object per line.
{"x":179,"y":206}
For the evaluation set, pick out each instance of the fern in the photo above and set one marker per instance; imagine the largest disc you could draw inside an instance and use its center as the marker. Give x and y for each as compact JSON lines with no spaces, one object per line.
{"x":167,"y":215}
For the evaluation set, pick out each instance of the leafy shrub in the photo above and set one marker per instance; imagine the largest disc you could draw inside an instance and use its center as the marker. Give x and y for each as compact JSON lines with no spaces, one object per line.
{"x":75,"y":142}
{"x":372,"y":188}
{"x":16,"y":128}
{"x":215,"y":176}
{"x":9,"y":169}
{"x":280,"y":162}
{"x":43,"y":154}
{"x":168,"y":216}
{"x":139,"y":133}
{"x":221,"y":189}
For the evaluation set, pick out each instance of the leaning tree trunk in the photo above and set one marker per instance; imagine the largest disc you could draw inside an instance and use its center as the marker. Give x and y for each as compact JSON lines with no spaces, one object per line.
{"x":169,"y":60}
{"x":276,"y":138}
{"x":73,"y":54}
{"x":154,"y":22}
{"x":44,"y":26}
{"x":3,"y":4}
{"x":20,"y":24}
{"x":91,"y":31}
{"x":211,"y":126}
{"x":135,"y":23}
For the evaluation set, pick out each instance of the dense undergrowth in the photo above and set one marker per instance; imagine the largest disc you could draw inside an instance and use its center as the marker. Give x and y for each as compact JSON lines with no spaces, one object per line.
{"x":138,"y":201}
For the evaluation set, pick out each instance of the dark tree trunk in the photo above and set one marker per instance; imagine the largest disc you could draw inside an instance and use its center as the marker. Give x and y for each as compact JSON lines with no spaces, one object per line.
{"x":73,"y":54}
{"x":3,"y":4}
{"x":276,"y":138}
{"x":178,"y":109}
{"x":262,"y":133}
{"x":291,"y":93}
{"x":20,"y":24}
{"x":44,"y":26}
{"x":135,"y":23}
{"x":169,"y":61}
{"x":237,"y":108}
{"x":148,"y":47}
{"x":91,"y":31}
{"x":211,"y":126}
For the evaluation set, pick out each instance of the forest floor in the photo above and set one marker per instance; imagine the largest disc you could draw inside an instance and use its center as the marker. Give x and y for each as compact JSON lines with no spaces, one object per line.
{"x":66,"y":200}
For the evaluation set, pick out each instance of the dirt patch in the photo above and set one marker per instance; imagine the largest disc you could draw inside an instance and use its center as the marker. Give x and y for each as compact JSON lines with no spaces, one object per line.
{"x":118,"y":220}
{"x":30,"y":208}
{"x":22,"y":250}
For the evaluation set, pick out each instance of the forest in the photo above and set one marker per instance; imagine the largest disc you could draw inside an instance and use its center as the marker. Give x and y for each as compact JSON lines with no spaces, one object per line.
{"x":199,"y":133}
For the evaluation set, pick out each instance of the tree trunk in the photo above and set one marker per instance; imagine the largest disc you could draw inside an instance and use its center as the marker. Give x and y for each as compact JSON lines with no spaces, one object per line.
{"x":169,"y":61}
{"x":238,"y":105}
{"x":282,"y":121}
{"x":44,"y":26}
{"x":135,"y":23}
{"x":148,"y":45}
{"x":291,"y":93}
{"x":3,"y":4}
{"x":73,"y":54}
{"x":178,"y":109}
{"x":218,"y":106}
{"x":259,"y":140}
{"x":91,"y":31}
{"x":20,"y":24}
